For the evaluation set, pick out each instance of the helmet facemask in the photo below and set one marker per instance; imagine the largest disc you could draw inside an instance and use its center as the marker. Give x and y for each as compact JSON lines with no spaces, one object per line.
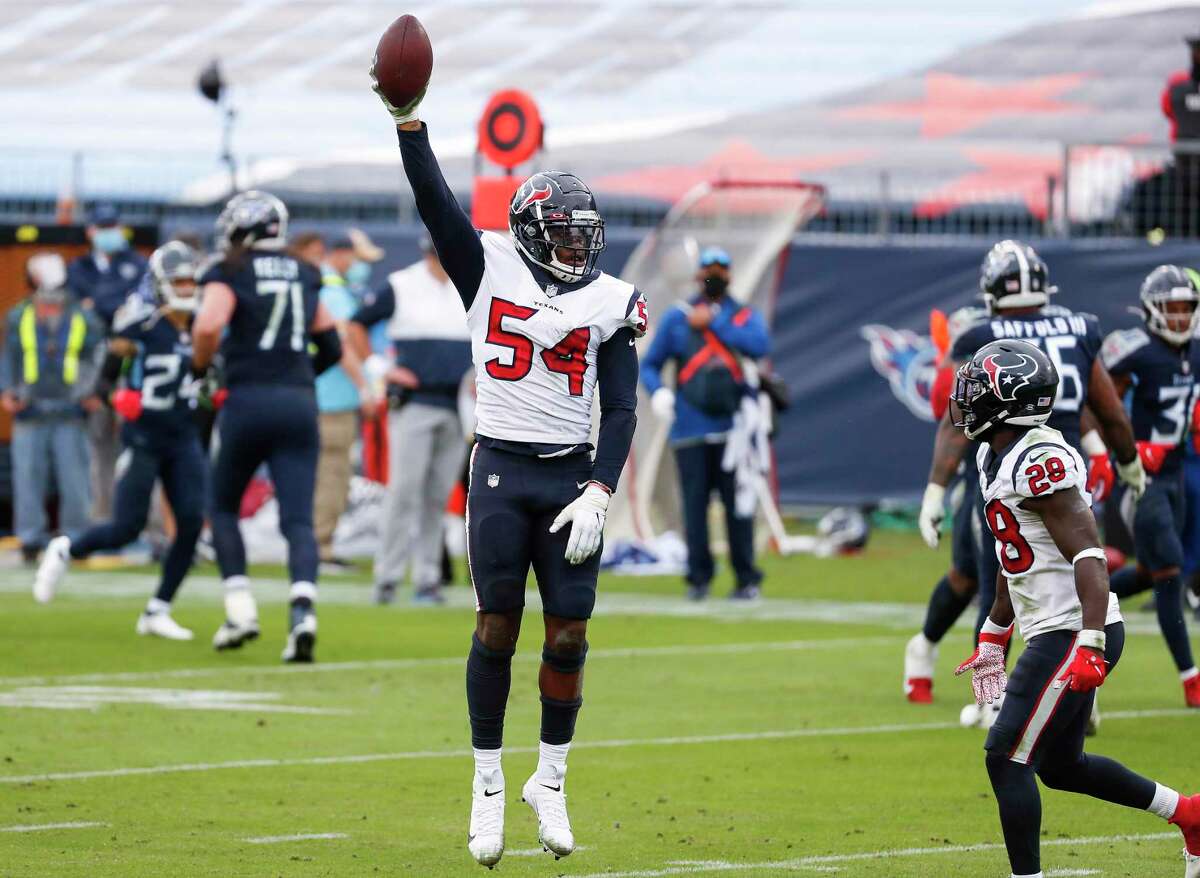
{"x":1174,"y":325}
{"x":968,"y":390}
{"x":566,"y":246}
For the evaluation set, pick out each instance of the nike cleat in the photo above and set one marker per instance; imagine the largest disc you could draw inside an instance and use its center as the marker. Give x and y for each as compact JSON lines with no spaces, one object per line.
{"x":241,"y":619}
{"x":485,"y":836}
{"x":1191,"y":690}
{"x":920,"y":656}
{"x":55,"y":561}
{"x":544,"y":794}
{"x":302,"y":640}
{"x":162,"y":625}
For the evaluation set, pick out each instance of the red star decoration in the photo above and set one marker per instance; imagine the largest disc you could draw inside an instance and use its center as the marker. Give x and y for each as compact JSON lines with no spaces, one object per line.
{"x":737,"y":160}
{"x":954,"y":104}
{"x":1001,"y":176}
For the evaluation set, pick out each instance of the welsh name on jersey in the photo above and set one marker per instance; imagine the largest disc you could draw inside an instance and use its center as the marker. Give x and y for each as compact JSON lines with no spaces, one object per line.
{"x":1041,"y":582}
{"x":535,"y":350}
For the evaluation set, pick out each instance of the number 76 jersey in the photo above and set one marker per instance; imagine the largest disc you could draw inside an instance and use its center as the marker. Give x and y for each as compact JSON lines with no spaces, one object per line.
{"x":535,"y":350}
{"x":1041,"y":582}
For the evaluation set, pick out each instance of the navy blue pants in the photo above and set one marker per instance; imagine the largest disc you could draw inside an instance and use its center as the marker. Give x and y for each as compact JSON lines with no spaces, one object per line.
{"x":1158,"y":523}
{"x":511,"y":502}
{"x":276,"y":425}
{"x":700,"y":474}
{"x":183,"y":469}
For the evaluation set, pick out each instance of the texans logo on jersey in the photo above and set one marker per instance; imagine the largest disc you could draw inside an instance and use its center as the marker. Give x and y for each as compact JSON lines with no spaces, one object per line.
{"x":1008,"y":378}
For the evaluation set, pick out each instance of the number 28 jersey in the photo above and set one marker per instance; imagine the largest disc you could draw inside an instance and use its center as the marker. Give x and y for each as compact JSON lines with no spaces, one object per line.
{"x":1041,"y":582}
{"x":535,"y":349}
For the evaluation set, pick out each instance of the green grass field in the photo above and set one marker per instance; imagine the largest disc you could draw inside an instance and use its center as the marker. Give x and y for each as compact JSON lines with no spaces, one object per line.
{"x":762,"y":741}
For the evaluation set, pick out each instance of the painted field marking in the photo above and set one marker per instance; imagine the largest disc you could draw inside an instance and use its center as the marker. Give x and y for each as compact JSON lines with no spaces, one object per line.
{"x":537,"y":852}
{"x":94,"y":697}
{"x":686,"y":867}
{"x":301,"y":836}
{"x":44,"y":827}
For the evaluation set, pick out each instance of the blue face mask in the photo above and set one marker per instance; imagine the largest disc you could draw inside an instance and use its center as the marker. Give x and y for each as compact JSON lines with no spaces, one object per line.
{"x":109,"y":240}
{"x":358,"y":274}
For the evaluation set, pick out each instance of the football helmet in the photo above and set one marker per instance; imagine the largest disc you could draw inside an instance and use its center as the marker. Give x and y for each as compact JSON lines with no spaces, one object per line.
{"x":253,"y":219}
{"x":1170,"y":283}
{"x":173,"y":262}
{"x":1014,"y":276}
{"x":555,"y":223}
{"x":1006,"y":382}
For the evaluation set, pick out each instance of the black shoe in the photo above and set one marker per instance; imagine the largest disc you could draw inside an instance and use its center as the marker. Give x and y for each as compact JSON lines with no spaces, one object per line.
{"x":697,"y":593}
{"x":746,"y":593}
{"x":385,"y":593}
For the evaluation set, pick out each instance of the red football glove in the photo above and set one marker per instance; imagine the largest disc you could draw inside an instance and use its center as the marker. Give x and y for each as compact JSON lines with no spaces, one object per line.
{"x":127,"y":403}
{"x":986,"y":664}
{"x":1086,"y":671}
{"x":1196,"y":429}
{"x":1101,"y":478}
{"x":1153,"y":454}
{"x":218,"y":398}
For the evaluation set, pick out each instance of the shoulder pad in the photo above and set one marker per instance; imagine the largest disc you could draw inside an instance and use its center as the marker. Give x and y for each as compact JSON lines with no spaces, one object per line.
{"x":963,"y":319}
{"x":636,"y":315}
{"x":1043,"y":464}
{"x":133,"y":311}
{"x":1121,"y":344}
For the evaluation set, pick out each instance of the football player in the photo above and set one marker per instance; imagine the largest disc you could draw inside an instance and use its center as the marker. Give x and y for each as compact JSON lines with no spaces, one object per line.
{"x":1055,"y":585}
{"x":547,"y":329}
{"x":1014,"y":282}
{"x":151,"y":335}
{"x":1158,"y":361}
{"x":261,"y":307}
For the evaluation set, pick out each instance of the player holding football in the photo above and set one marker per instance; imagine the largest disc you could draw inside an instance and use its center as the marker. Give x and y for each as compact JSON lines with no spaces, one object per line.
{"x":1014,"y":282}
{"x":547,"y":329}
{"x":262,"y":308}
{"x":1160,"y":362}
{"x":150,"y":333}
{"x":1055,"y":585}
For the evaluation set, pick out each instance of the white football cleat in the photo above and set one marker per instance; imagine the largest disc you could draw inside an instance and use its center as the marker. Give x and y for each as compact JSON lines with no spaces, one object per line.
{"x":55,"y":561}
{"x":920,"y":657}
{"x":1191,"y":865}
{"x":989,"y":712}
{"x":162,"y":625}
{"x":544,"y":794}
{"x":968,"y":717}
{"x":301,"y":640}
{"x":241,"y":619}
{"x":485,"y":836}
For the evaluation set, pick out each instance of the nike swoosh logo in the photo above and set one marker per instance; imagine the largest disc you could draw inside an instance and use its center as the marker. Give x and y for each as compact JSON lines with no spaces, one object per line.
{"x":581,"y":485}
{"x":557,"y":789}
{"x":489,"y":793}
{"x":631,"y":342}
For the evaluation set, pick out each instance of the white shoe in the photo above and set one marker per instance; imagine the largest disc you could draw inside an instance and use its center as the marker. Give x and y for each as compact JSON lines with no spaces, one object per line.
{"x":162,"y":625}
{"x":968,"y":717}
{"x":989,"y":713}
{"x":920,"y":657}
{"x":544,"y":794}
{"x":485,"y":836}
{"x":1191,"y":865}
{"x":55,"y":561}
{"x":241,"y":620}
{"x":301,"y":640}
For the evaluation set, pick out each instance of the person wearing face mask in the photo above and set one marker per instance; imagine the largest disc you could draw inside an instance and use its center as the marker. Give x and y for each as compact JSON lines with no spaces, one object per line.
{"x":1181,"y":105}
{"x":342,"y":391}
{"x":706,"y":337}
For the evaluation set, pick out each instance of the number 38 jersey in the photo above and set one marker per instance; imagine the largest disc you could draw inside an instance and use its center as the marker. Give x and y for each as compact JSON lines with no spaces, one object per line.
{"x":1041,"y":582}
{"x":267,"y":340}
{"x":535,"y":349}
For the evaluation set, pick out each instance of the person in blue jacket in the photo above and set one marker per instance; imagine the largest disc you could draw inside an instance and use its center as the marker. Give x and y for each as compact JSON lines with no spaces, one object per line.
{"x":707,"y":337}
{"x":104,"y":277}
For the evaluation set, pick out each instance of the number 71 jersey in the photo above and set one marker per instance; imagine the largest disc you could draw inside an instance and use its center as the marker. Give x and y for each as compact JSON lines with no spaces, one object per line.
{"x":535,"y":350}
{"x":1041,"y":582}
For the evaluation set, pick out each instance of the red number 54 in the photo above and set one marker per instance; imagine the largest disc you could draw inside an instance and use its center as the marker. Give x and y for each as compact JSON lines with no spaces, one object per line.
{"x":568,"y":357}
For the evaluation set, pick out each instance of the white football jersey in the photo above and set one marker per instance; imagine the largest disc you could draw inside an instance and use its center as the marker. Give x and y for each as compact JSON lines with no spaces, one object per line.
{"x":535,"y":350}
{"x":1041,"y":582}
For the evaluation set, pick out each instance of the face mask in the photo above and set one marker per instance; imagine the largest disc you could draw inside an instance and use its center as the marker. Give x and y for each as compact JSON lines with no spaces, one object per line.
{"x":715,"y":287}
{"x":109,"y":240}
{"x":358,"y":274}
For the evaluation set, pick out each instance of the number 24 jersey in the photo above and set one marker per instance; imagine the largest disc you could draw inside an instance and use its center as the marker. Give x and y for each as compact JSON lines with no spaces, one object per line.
{"x":1041,"y":582}
{"x":535,"y":350}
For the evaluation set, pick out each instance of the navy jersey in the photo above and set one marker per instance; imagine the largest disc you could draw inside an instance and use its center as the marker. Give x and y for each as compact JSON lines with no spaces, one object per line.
{"x":1071,"y":340}
{"x":1163,"y":387}
{"x":267,"y":339}
{"x":161,"y":370}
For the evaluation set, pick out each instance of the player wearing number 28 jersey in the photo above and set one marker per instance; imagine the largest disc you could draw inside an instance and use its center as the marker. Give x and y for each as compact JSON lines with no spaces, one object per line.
{"x":548,"y":333}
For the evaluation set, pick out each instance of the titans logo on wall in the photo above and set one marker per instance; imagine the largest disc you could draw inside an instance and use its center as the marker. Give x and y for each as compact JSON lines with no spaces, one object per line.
{"x":907,"y":361}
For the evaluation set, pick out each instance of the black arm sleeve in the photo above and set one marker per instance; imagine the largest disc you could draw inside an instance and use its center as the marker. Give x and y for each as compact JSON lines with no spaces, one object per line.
{"x":110,"y":371}
{"x":617,"y":377}
{"x":329,"y":350}
{"x":379,"y":305}
{"x":454,"y":238}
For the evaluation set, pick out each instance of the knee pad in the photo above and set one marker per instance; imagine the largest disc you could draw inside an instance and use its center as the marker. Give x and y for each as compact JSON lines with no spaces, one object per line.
{"x":565,"y":663}
{"x":496,"y":658}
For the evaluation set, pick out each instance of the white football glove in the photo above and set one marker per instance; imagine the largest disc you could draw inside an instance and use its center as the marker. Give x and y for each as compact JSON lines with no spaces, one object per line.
{"x":662,"y":403}
{"x":586,"y":515}
{"x":407,"y":113}
{"x":1133,"y":474}
{"x":933,"y":510}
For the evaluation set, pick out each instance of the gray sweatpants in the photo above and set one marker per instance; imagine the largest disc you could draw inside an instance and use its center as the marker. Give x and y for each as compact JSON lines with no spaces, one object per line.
{"x":425,"y":455}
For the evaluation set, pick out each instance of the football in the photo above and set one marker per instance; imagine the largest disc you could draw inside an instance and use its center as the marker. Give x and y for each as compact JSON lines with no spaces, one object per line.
{"x":403,"y":60}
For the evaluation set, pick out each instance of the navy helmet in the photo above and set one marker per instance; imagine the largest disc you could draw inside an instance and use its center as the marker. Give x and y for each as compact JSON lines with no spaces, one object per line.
{"x":1008,"y":383}
{"x":1170,"y":283}
{"x":1014,"y":276}
{"x":555,"y":223}
{"x":253,"y":219}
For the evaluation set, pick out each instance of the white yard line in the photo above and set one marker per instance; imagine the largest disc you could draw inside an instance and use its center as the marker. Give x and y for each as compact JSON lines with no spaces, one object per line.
{"x":688,"y":867}
{"x":43,"y":827}
{"x":302,"y":836}
{"x":536,"y":852}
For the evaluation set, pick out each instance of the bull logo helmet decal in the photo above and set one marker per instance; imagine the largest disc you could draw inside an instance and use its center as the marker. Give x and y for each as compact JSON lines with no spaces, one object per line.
{"x":534,"y":195}
{"x":1007,"y":378}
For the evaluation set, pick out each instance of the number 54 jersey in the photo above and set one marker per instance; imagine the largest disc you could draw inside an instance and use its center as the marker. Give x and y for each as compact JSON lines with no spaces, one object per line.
{"x":1041,"y":582}
{"x":535,"y":349}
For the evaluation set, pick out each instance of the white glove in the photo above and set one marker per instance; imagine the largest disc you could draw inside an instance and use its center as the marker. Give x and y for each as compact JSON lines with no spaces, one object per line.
{"x":1133,"y":474}
{"x":586,"y":515}
{"x":407,"y":113}
{"x":662,"y":403}
{"x":933,"y":510}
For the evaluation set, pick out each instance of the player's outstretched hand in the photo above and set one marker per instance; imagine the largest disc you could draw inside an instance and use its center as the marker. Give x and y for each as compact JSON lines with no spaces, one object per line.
{"x":933,"y":510}
{"x":988,"y":677}
{"x":1085,"y":673}
{"x":1100,"y":477}
{"x":1133,"y":476}
{"x":585,"y":514}
{"x":407,"y":113}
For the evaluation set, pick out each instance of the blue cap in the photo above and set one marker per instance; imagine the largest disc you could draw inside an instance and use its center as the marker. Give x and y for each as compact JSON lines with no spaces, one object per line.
{"x":105,"y":214}
{"x":714,"y":256}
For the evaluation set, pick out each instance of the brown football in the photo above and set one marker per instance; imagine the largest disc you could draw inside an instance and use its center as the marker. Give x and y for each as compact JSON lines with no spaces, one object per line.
{"x":403,"y":60}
